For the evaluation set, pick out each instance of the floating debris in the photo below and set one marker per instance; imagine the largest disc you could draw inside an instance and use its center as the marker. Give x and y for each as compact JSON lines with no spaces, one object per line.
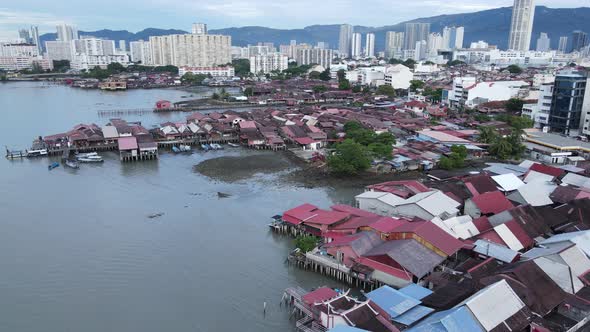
{"x":223,"y":195}
{"x":155,"y":215}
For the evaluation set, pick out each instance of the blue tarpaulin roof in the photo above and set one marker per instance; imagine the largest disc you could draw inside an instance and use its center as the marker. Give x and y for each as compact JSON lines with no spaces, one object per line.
{"x":454,"y":320}
{"x":416,"y":291}
{"x":413,"y":315}
{"x":392,"y":301}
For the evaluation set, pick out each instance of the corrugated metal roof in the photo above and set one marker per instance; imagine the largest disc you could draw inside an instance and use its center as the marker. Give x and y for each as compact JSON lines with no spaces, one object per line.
{"x":576,"y":180}
{"x":392,"y":301}
{"x":561,"y":274}
{"x":582,"y":239}
{"x":534,"y":193}
{"x":453,"y":320}
{"x":416,"y":291}
{"x":494,"y":304}
{"x":413,"y":315}
{"x":508,"y":182}
{"x":496,"y":251}
{"x":343,"y":328}
{"x":508,"y":237}
{"x":460,"y":227}
{"x":410,"y":254}
{"x":534,"y":176}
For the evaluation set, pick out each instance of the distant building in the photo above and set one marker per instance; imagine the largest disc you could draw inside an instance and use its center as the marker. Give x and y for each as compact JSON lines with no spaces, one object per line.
{"x":93,"y":46}
{"x":398,"y":76}
{"x":35,"y":37}
{"x":394,"y":43}
{"x":24,"y":62}
{"x":562,"y":48}
{"x":66,"y":33}
{"x":568,"y":99}
{"x":18,"y":50}
{"x":141,"y":52}
{"x":421,"y":50}
{"x":521,"y":28}
{"x":191,"y":50}
{"x":543,"y":43}
{"x":199,"y":29}
{"x":268,"y":63}
{"x":539,"y":112}
{"x":345,"y":40}
{"x":370,"y":45}
{"x":318,"y":56}
{"x":579,"y":40}
{"x":122,"y":46}
{"x":435,"y":43}
{"x":87,"y":62}
{"x":356,"y":50}
{"x":25,"y":36}
{"x":479,"y":45}
{"x":58,"y":50}
{"x":453,"y":37}
{"x":415,"y":32}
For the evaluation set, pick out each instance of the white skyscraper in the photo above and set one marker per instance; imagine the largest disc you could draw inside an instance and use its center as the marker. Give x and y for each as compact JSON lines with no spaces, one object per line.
{"x":435,"y":43}
{"x":345,"y":40}
{"x":521,"y":28}
{"x":141,"y":52}
{"x":543,"y":43}
{"x":415,"y":32}
{"x":370,"y":45}
{"x":122,"y":46}
{"x":35,"y":37}
{"x":394,"y":43}
{"x":356,"y":46}
{"x":420,"y":50}
{"x":562,"y":44}
{"x":199,"y":29}
{"x":268,"y":63}
{"x":453,"y":37}
{"x":192,"y":50}
{"x":66,"y":32}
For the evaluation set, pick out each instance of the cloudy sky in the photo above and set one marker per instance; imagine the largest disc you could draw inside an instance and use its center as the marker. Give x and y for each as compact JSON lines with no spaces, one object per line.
{"x":135,"y":15}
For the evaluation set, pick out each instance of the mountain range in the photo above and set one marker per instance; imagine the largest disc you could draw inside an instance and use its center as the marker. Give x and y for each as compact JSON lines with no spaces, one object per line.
{"x":490,"y":25}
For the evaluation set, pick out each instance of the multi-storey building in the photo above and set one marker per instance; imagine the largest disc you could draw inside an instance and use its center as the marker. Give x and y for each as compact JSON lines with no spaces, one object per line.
{"x":191,"y":50}
{"x":453,"y":37}
{"x":394,"y":43}
{"x":562,"y":48}
{"x":225,"y":72}
{"x":415,"y":32}
{"x":539,"y":111}
{"x":356,"y":50}
{"x":199,"y":29}
{"x":435,"y":43}
{"x":543,"y":43}
{"x":579,"y":40}
{"x":370,"y":45}
{"x":58,"y":50}
{"x":268,"y":63}
{"x":93,"y":46}
{"x":521,"y":28}
{"x":315,"y":56}
{"x":569,"y":91}
{"x":87,"y":62}
{"x":345,"y":40}
{"x":18,"y":50}
{"x":141,"y":52}
{"x":66,"y":33}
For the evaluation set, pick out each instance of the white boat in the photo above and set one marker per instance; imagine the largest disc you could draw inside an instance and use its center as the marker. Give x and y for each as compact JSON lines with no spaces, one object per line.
{"x":184,"y":148}
{"x":216,"y":146}
{"x":234,"y":145}
{"x":36,"y":153}
{"x":89,"y":158}
{"x":72,"y":163}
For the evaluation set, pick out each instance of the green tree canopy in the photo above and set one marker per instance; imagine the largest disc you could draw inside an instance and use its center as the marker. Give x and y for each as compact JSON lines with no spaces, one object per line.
{"x":386,"y":90}
{"x":315,"y":75}
{"x":410,"y":63}
{"x":326,"y":75}
{"x":306,"y":243}
{"x":319,"y":88}
{"x":349,"y":158}
{"x":192,"y":79}
{"x":514,"y":69}
{"x":454,"y":63}
{"x":241,"y":67}
{"x":357,"y":88}
{"x":344,"y":85}
{"x":416,"y":84}
{"x":514,"y":105}
{"x":394,"y":61}
{"x":487,"y":135}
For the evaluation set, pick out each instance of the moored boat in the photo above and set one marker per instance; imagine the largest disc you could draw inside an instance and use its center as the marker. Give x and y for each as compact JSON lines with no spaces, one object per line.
{"x":234,"y":145}
{"x":36,"y":153}
{"x":205,"y":147}
{"x":14,"y":154}
{"x":216,"y":146}
{"x":52,"y":166}
{"x":184,"y":148}
{"x":91,"y":157}
{"x":72,"y":163}
{"x":175,"y":149}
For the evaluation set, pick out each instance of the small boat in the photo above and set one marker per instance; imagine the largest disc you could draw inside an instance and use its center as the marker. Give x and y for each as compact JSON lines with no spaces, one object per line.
{"x":205,"y":147}
{"x":223,"y":195}
{"x":216,"y":146}
{"x":52,"y":166}
{"x":14,"y":154}
{"x":175,"y":149}
{"x":234,"y":145}
{"x":36,"y":153}
{"x":72,"y":163}
{"x":91,"y":157}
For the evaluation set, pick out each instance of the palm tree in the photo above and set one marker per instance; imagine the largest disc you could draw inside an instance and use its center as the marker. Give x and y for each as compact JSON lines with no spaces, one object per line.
{"x":487,"y":135}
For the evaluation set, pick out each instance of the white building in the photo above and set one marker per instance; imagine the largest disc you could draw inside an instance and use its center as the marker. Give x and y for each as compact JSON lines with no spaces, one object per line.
{"x":435,"y":43}
{"x":543,"y":43}
{"x":562,"y":48}
{"x":191,"y":50}
{"x":398,"y":76}
{"x":374,"y":76}
{"x":453,"y":37}
{"x":18,"y":50}
{"x":141,"y":52}
{"x":539,"y":112}
{"x":87,"y":62}
{"x":421,"y":50}
{"x":505,"y":58}
{"x":370,"y":45}
{"x":224,"y":72}
{"x":93,"y":46}
{"x":199,"y":29}
{"x":24,"y":62}
{"x":479,"y":45}
{"x":394,"y":43}
{"x":268,"y":63}
{"x":317,"y":56}
{"x":345,"y":40}
{"x":458,"y":92}
{"x":356,"y":46}
{"x":521,"y":28}
{"x":482,"y":92}
{"x":58,"y":50}
{"x":66,"y":33}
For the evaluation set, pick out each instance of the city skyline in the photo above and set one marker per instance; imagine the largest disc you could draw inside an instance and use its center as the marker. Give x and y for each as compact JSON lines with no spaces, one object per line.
{"x":179,"y":15}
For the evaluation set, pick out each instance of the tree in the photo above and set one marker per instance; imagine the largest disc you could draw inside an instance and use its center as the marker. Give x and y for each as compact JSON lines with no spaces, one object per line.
{"x":410,"y":63}
{"x":454,"y":63}
{"x":380,"y":150}
{"x":115,"y":67}
{"x":306,"y":243}
{"x":192,"y":79}
{"x":349,"y":158}
{"x":386,"y":90}
{"x":167,"y":69}
{"x":326,"y":75}
{"x":394,"y":61}
{"x":501,"y":149}
{"x":357,"y":88}
{"x":344,"y":85}
{"x":241,"y":67}
{"x":434,"y":95}
{"x":487,"y":135}
{"x":341,"y":75}
{"x":445,"y":163}
{"x":314,"y":75}
{"x":482,"y":118}
{"x":514,"y":105}
{"x":514,"y":69}
{"x":320,"y":88}
{"x":248,"y":92}
{"x":416,"y":84}
{"x":61,"y":65}
{"x":215,"y":96}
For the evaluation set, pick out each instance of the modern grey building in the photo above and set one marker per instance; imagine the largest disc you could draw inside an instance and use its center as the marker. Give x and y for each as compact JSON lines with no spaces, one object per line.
{"x":579,"y":40}
{"x":394,"y":42}
{"x":568,"y":99}
{"x":543,"y":43}
{"x":521,"y":28}
{"x":562,"y":48}
{"x":415,"y":32}
{"x":345,"y":40}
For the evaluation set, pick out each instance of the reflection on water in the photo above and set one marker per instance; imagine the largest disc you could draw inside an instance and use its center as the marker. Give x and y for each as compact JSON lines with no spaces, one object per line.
{"x":79,"y":253}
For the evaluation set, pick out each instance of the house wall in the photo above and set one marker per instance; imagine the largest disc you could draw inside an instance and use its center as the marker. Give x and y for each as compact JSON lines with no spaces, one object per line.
{"x":390,"y":280}
{"x":331,"y":321}
{"x":375,"y":206}
{"x":347,"y":251}
{"x":413,"y":210}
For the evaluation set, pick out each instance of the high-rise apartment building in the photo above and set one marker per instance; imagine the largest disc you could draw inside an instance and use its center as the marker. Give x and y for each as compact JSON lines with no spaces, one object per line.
{"x":543,"y":43}
{"x":567,"y":103}
{"x":268,"y":63}
{"x":58,"y":50}
{"x":579,"y":40}
{"x":317,"y":56}
{"x":93,"y":46}
{"x":356,"y":48}
{"x":521,"y":28}
{"x":415,"y":32}
{"x":199,"y":29}
{"x":122,"y":46}
{"x":345,"y":40}
{"x":421,"y":50}
{"x":394,"y":43}
{"x":562,"y":48}
{"x":370,"y":45}
{"x":25,"y":35}
{"x":66,"y":33}
{"x":193,"y":50}
{"x":35,"y":37}
{"x":141,"y":52}
{"x":435,"y":43}
{"x":453,"y":37}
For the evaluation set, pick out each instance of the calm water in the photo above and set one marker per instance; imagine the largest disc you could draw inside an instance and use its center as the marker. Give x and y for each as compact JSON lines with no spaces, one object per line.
{"x":78,"y":253}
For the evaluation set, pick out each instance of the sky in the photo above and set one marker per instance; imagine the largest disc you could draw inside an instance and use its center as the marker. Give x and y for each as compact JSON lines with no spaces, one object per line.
{"x":136,"y":15}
